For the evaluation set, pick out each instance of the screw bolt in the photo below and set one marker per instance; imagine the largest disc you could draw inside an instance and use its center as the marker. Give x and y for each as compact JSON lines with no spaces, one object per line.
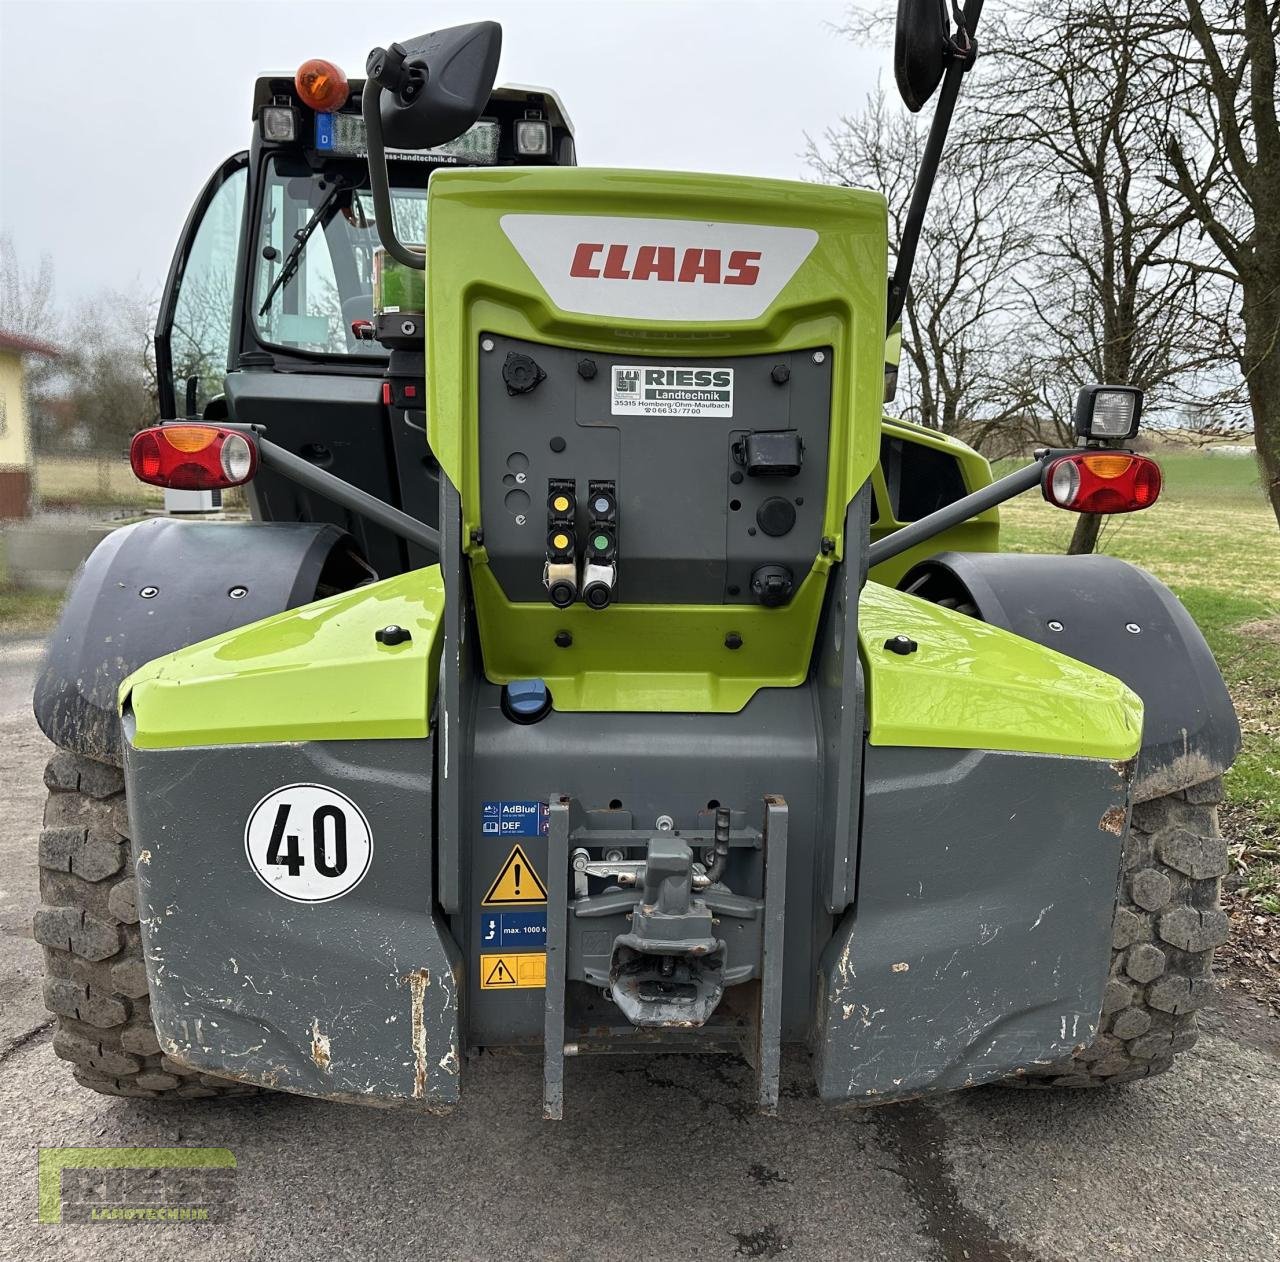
{"x":486,"y":343}
{"x":392,"y":634}
{"x":238,"y":593}
{"x":564,"y":639}
{"x":1132,"y":628}
{"x":149,"y":593}
{"x":1054,"y":625}
{"x":901,"y":644}
{"x":733,"y":640}
{"x":819,"y":357}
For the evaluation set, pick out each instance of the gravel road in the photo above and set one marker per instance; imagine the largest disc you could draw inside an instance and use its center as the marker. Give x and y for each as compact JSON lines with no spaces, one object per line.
{"x":657,"y":1157}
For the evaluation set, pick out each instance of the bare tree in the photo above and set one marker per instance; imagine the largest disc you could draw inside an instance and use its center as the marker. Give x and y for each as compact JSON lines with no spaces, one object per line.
{"x":201,"y":335}
{"x":107,"y":380}
{"x":958,"y":319}
{"x":1120,"y":292}
{"x":26,"y":297}
{"x":1224,"y":155}
{"x":27,"y":307}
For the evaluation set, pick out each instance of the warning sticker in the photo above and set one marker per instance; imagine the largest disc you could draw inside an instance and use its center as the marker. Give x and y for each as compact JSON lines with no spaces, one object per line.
{"x":674,"y":391}
{"x":513,"y":972}
{"x":515,"y":883}
{"x":513,"y":930}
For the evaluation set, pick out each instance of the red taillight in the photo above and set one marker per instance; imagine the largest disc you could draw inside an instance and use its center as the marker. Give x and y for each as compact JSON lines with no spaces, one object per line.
{"x":193,"y":457}
{"x":1102,"y":482}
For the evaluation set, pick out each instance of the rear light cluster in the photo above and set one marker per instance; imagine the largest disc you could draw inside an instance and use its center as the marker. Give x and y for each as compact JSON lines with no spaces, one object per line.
{"x":1102,"y":482}
{"x":193,"y":457}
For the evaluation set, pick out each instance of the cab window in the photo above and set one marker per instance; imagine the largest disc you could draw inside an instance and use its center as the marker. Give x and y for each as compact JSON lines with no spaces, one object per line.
{"x":200,"y":335}
{"x":309,"y":303}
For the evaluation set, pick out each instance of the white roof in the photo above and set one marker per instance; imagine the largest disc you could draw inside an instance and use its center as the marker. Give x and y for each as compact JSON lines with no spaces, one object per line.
{"x":560,"y":115}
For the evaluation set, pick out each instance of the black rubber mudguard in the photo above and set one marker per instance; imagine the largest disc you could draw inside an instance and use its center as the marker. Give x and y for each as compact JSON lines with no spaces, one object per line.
{"x":1118,"y":618}
{"x":160,"y":585}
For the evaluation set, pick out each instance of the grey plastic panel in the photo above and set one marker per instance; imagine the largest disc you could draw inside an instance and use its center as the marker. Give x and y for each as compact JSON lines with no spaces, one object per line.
{"x":652,"y":764}
{"x":458,"y":680}
{"x":681,"y":540}
{"x":981,"y":937}
{"x":841,"y":702}
{"x":354,"y":999}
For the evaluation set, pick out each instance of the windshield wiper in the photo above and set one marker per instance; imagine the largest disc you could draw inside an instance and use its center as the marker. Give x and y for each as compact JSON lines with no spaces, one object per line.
{"x":289,"y":268}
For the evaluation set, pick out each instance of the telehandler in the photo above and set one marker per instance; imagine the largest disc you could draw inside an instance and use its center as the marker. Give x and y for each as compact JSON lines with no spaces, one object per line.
{"x":599,"y":671}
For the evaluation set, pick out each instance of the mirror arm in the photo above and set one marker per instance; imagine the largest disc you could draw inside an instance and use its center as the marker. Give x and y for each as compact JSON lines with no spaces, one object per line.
{"x":959,"y":61}
{"x":338,"y":490}
{"x":371,"y":108}
{"x":955,"y":514}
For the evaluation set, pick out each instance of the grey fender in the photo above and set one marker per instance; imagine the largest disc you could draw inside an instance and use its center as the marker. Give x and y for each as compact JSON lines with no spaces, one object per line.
{"x":188,"y":571}
{"x":1120,"y":619}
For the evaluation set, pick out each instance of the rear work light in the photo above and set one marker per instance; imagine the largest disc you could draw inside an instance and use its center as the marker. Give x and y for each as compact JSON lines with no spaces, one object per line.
{"x":193,"y":457}
{"x":1102,"y":482}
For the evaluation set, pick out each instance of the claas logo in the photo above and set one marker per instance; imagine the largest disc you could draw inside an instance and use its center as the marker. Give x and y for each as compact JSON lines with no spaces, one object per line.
{"x":599,"y":260}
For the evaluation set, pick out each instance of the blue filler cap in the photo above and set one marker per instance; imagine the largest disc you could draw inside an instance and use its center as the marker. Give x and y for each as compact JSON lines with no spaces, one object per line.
{"x":526,"y":700}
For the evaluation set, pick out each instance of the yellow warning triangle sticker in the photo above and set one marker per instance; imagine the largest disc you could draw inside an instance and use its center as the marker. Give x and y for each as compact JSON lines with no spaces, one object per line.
{"x":515,"y":883}
{"x":499,"y":975}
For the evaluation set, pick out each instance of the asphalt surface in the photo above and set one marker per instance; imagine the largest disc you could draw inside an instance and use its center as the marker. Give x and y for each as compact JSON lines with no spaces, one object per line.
{"x":658,"y":1157}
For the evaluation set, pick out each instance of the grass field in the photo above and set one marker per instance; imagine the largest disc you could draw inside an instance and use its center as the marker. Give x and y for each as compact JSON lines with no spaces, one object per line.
{"x":91,"y":482}
{"x":1213,"y":539}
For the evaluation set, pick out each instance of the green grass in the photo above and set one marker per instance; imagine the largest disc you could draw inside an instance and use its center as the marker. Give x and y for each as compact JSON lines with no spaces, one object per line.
{"x":28,"y":613}
{"x":1213,"y":539}
{"x":88,"y":482}
{"x":25,"y":612}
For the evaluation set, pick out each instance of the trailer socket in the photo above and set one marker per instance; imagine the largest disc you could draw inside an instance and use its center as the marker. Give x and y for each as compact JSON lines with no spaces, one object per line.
{"x":773,"y":585}
{"x":521,"y":373}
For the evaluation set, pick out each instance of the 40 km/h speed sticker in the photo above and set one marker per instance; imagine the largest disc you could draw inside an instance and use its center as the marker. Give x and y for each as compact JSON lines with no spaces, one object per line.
{"x":308,"y":843}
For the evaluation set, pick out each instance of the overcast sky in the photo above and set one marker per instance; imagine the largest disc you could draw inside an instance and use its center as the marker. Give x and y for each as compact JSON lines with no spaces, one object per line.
{"x":112,"y":114}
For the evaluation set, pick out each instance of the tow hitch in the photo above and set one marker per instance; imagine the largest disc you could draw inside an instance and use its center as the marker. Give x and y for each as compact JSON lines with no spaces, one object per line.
{"x":687,"y":959}
{"x":669,"y":970}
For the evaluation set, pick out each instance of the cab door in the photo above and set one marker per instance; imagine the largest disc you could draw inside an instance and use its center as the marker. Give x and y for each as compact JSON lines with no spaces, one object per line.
{"x":193,"y":330}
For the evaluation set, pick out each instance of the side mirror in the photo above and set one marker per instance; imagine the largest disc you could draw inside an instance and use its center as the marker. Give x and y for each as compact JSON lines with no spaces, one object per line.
{"x":920,"y":45}
{"x":437,"y":85}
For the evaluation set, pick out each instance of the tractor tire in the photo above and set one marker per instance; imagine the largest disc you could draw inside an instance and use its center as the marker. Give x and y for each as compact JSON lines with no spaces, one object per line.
{"x":1167,"y":924}
{"x":95,"y":979}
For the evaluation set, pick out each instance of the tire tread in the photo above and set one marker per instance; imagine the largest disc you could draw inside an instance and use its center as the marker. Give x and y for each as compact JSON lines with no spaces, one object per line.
{"x":95,"y":977}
